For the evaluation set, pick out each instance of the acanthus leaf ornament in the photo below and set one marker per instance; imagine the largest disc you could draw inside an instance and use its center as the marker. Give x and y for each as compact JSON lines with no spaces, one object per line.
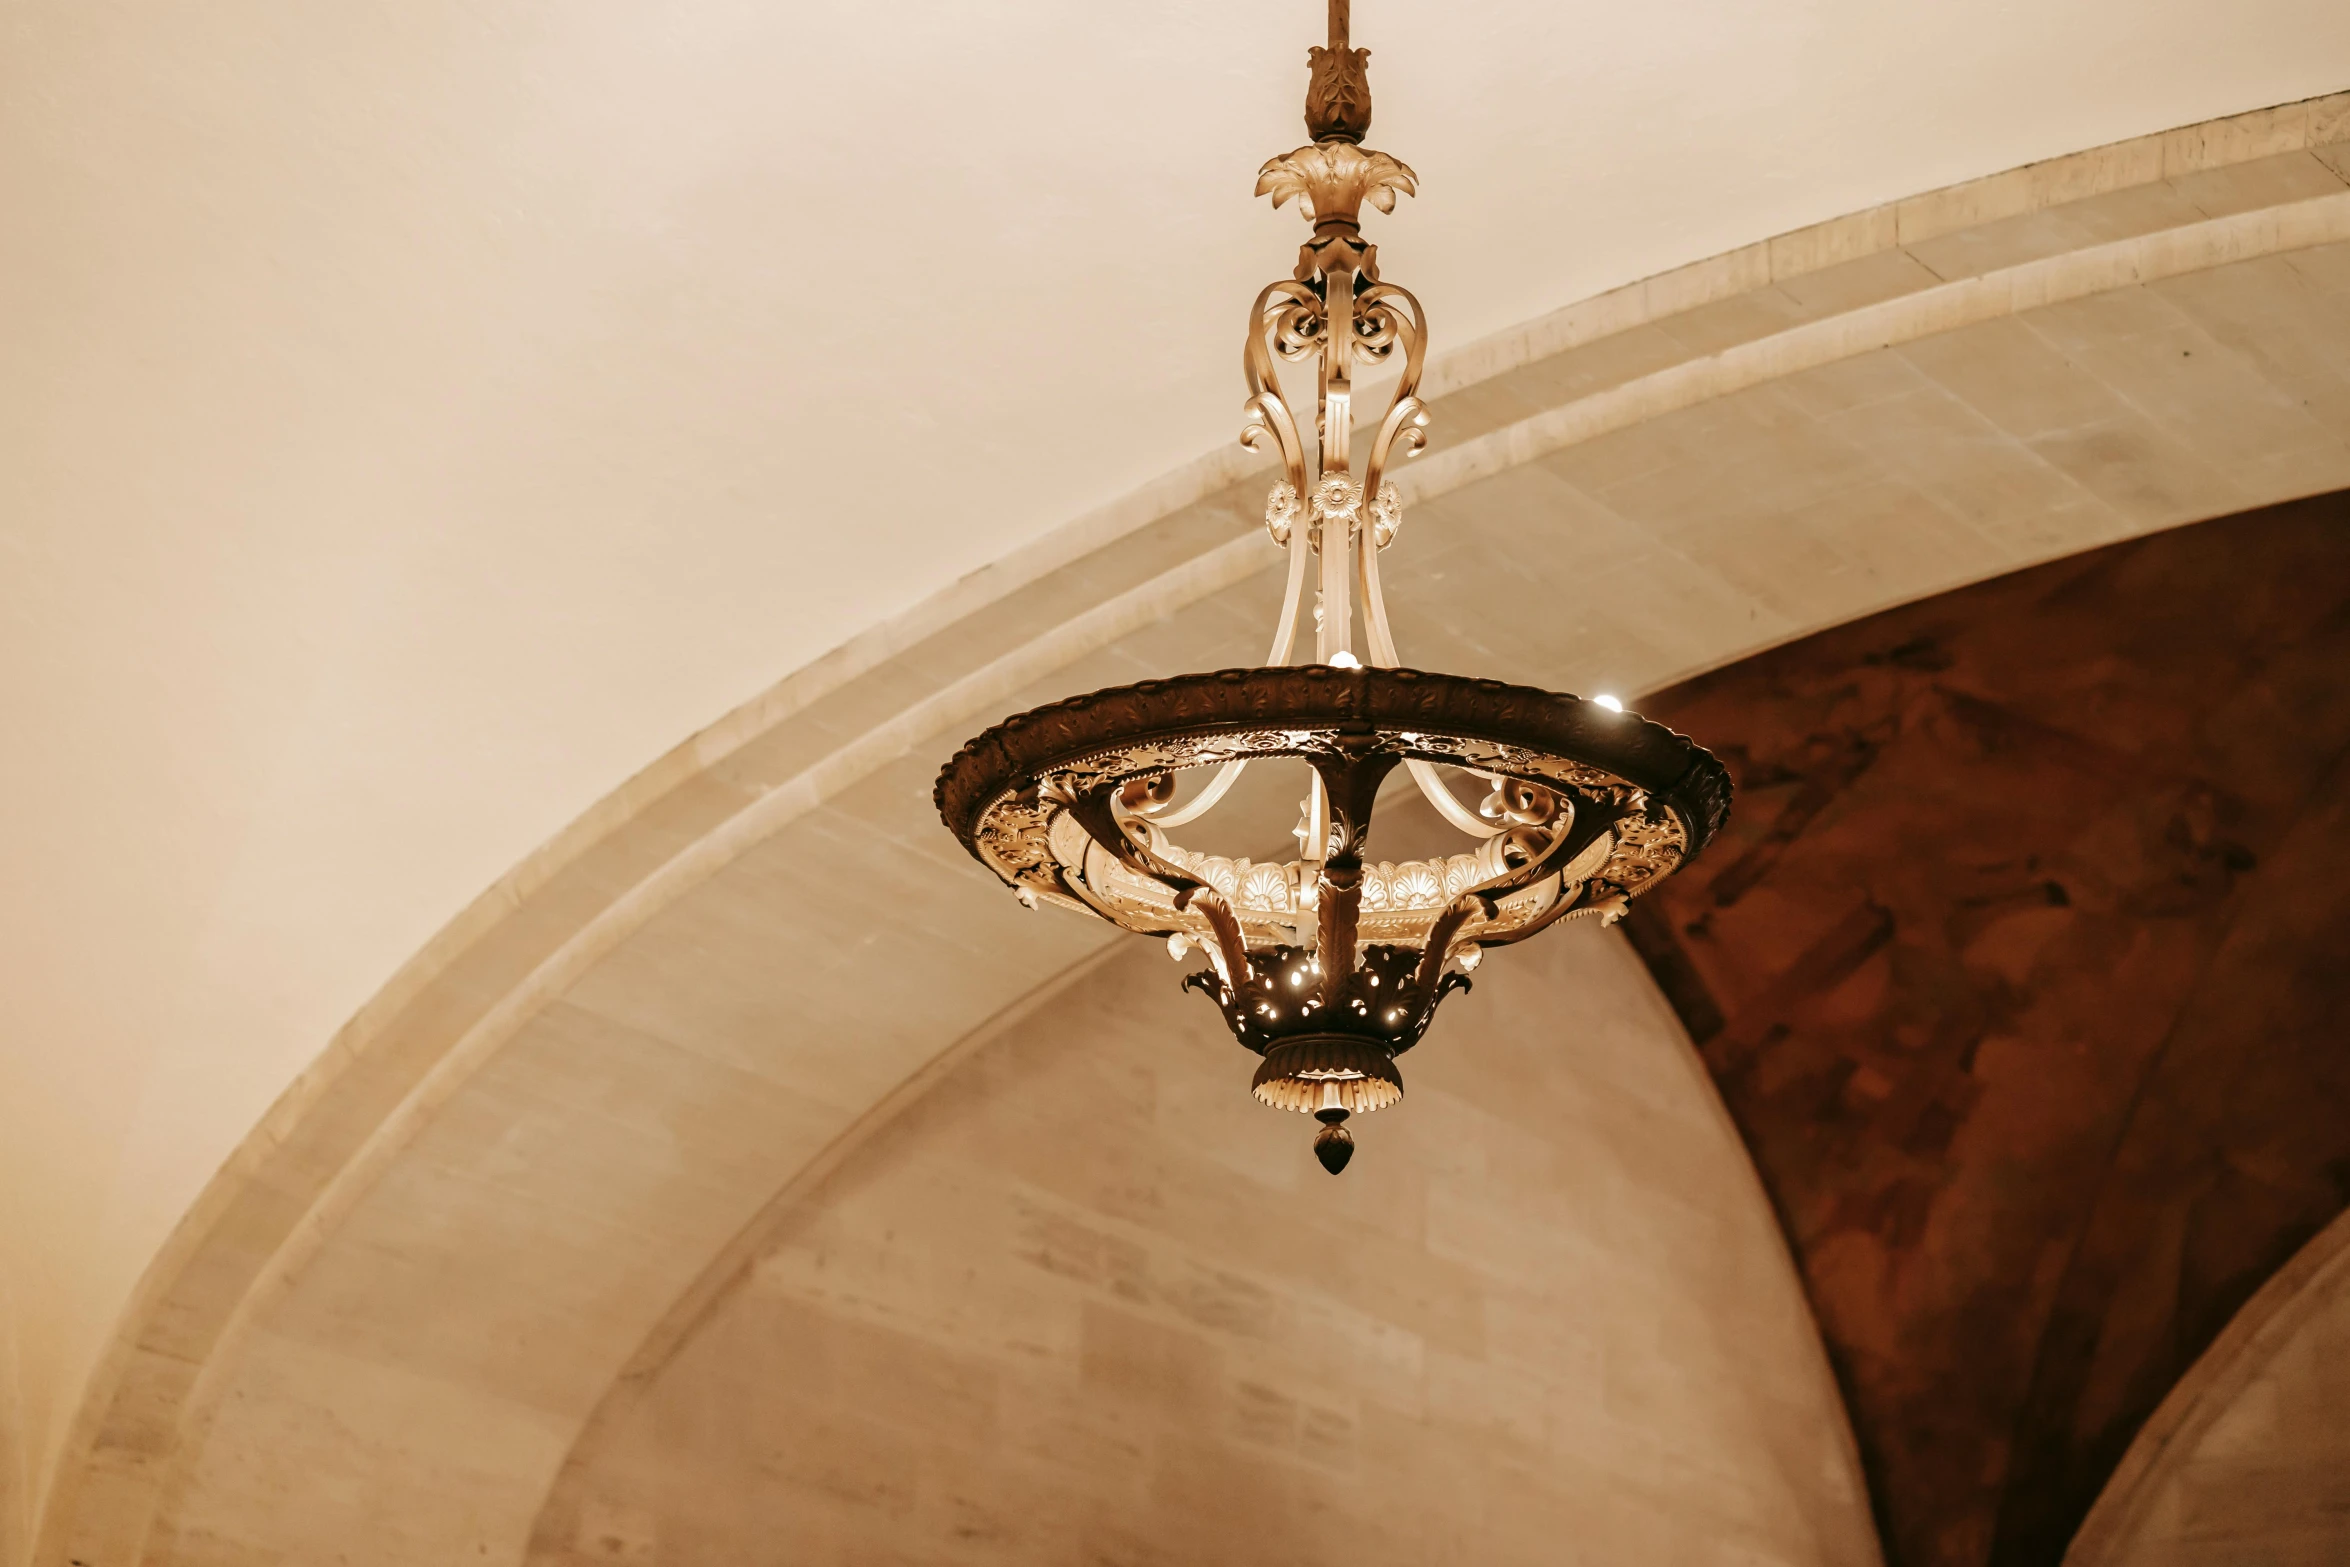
{"x":1332,"y":180}
{"x":1281,"y":510}
{"x":1338,"y":92}
{"x":1330,"y":965}
{"x":1386,"y":510}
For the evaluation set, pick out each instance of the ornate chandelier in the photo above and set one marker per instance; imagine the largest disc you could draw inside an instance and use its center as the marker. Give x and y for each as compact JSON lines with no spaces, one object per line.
{"x":1330,"y":966}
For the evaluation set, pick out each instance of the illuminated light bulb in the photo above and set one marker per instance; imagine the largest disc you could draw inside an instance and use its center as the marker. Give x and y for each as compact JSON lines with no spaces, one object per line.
{"x":1342,"y":659}
{"x":1609,"y":702}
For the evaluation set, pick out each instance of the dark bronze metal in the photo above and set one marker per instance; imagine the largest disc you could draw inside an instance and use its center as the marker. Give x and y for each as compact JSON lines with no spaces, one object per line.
{"x":1282,"y":994}
{"x":1338,"y":99}
{"x":1676,"y":773}
{"x":1334,"y":1145}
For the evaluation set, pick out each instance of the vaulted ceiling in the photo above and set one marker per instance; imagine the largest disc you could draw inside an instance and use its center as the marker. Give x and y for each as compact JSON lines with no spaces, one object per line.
{"x":2021,"y":970}
{"x":589,"y":461}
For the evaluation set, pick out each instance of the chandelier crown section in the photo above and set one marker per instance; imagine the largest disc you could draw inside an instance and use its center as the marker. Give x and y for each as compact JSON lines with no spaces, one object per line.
{"x":1330,"y":965}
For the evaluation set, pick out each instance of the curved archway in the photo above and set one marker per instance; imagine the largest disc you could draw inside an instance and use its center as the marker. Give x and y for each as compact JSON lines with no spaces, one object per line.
{"x":2022,"y":979}
{"x":1081,"y":1301}
{"x":2248,"y":1451}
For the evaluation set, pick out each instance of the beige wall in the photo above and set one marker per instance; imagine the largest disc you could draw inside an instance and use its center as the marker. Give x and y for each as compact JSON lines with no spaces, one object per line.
{"x":2247,"y":1464}
{"x":1087,"y":1302}
{"x":16,"y":1503}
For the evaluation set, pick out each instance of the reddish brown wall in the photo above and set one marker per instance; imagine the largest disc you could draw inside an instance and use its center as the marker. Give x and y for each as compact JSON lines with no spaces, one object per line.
{"x":2023,"y":968}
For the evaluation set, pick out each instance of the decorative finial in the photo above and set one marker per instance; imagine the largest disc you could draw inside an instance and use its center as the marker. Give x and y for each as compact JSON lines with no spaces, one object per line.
{"x":1338,"y":100}
{"x":1334,"y":1144}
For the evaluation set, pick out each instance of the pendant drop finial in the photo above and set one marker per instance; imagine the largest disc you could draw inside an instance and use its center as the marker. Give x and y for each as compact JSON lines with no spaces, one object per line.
{"x":1334,"y":1145}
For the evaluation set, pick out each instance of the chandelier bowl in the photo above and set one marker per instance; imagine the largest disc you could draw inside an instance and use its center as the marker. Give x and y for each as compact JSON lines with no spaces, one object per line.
{"x":1056,"y":801}
{"x":1329,"y":966}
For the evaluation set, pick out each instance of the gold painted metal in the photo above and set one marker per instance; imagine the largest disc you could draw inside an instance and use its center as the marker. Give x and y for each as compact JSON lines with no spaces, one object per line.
{"x":1338,"y":102}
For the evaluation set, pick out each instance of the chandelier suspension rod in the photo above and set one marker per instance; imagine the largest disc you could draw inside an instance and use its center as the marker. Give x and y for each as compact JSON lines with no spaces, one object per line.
{"x":1381,"y":641}
{"x":1284,"y":636}
{"x":1349,"y":572}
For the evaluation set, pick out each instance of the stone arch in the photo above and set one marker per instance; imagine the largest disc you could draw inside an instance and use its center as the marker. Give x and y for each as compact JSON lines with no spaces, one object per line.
{"x":1079,"y":1301}
{"x":2249,"y":1449}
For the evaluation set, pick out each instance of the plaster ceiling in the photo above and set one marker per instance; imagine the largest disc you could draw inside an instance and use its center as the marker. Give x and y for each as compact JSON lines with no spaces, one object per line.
{"x":418,"y":417}
{"x":2020,"y":970}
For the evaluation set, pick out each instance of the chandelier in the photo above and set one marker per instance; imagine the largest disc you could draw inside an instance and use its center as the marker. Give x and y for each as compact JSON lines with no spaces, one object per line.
{"x":1329,"y":966}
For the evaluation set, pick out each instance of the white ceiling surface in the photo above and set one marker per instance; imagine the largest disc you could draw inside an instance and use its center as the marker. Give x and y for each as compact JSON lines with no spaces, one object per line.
{"x":417,"y":415}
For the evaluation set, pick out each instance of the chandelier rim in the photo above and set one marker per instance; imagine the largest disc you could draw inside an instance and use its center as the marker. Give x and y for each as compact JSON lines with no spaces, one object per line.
{"x":1371,"y":701}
